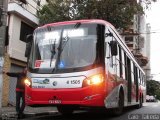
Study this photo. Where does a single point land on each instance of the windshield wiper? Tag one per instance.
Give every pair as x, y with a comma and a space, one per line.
53, 51
61, 47
59, 51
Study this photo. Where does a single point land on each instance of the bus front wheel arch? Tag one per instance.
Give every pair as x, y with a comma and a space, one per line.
119, 110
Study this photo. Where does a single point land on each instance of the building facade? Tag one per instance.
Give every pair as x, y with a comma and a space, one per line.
147, 47
22, 20
138, 39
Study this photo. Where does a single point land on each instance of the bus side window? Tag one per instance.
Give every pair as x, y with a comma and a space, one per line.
144, 80
113, 57
107, 51
135, 75
132, 71
123, 64
108, 38
117, 62
120, 62
139, 77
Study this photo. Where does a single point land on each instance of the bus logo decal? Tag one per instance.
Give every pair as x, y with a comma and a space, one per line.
40, 81
54, 83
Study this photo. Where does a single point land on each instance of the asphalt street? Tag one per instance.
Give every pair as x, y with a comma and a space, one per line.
149, 111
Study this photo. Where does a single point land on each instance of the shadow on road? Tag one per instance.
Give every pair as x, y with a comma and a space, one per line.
84, 115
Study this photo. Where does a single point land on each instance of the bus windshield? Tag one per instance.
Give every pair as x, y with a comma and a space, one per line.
57, 48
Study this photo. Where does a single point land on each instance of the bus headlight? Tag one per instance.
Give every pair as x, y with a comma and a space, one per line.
27, 82
94, 80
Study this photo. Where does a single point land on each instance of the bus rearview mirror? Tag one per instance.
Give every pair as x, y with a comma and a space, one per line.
113, 45
29, 38
28, 49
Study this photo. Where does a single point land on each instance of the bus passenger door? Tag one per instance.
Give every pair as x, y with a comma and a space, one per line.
110, 62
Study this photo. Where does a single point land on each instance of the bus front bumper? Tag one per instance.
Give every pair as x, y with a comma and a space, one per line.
82, 97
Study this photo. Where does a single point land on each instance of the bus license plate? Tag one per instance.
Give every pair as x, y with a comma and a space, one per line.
55, 101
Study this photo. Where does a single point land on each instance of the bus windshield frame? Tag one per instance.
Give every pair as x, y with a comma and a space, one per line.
66, 48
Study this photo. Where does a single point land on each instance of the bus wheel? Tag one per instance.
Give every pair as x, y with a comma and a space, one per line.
119, 109
65, 110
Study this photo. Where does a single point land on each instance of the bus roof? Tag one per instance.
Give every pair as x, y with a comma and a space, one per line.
76, 21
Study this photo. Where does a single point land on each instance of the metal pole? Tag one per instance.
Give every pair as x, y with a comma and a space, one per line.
3, 21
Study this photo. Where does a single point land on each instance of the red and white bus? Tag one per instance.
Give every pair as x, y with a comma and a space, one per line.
82, 63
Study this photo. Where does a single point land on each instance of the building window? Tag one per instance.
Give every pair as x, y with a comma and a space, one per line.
128, 39
25, 30
129, 42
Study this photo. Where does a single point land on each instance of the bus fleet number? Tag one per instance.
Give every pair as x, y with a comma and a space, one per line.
73, 82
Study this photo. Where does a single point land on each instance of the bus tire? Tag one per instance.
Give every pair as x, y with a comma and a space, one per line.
119, 109
65, 110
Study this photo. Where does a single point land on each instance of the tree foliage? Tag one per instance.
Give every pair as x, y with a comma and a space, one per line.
153, 88
118, 12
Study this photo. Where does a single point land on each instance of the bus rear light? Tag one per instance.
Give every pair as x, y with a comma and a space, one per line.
93, 80
27, 82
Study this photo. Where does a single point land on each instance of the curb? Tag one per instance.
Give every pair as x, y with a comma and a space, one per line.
13, 116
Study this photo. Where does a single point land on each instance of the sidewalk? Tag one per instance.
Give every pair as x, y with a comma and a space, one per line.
9, 112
